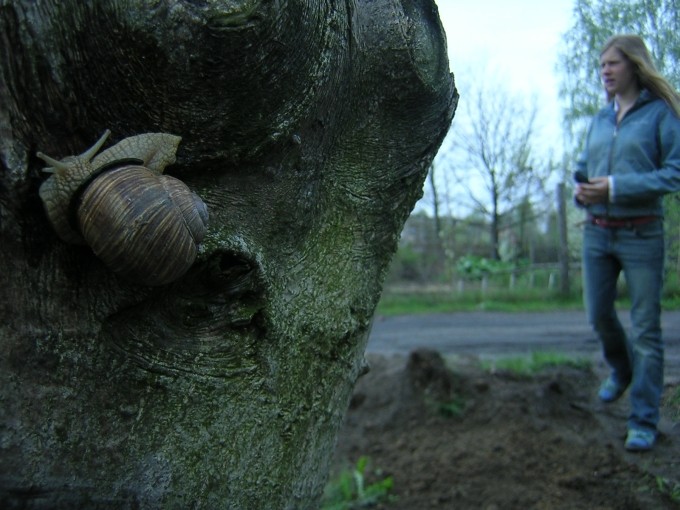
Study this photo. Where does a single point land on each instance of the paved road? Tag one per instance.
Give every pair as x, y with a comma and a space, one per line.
491, 334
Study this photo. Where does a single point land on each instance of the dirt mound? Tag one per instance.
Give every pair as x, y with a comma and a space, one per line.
465, 438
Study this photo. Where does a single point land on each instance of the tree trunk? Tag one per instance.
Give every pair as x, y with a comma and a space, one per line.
565, 281
495, 230
439, 250
307, 128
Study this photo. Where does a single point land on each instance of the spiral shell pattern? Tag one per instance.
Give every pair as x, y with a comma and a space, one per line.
142, 225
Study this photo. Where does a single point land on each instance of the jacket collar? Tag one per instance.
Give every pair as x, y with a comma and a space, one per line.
645, 97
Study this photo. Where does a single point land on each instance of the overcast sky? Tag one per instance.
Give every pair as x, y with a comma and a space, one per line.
518, 38
520, 41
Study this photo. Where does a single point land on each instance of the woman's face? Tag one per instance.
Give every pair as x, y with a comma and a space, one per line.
617, 73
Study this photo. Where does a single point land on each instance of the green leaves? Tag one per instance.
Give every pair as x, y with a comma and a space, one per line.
475, 268
349, 491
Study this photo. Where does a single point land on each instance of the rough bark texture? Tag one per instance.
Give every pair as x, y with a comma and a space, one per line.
307, 127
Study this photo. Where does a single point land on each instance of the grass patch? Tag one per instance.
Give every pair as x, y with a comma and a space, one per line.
453, 408
350, 490
534, 363
669, 489
415, 302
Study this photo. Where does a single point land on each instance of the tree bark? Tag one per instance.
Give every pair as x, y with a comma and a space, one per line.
307, 127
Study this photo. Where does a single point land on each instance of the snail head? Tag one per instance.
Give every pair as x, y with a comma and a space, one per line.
57, 192
73, 164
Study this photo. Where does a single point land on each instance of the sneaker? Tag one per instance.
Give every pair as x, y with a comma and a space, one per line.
640, 440
611, 390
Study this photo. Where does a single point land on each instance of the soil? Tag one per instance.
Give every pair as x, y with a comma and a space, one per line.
454, 435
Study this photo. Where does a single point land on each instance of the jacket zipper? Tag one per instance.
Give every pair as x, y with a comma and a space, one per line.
611, 157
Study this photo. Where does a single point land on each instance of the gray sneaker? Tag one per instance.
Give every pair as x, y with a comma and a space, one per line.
611, 389
640, 440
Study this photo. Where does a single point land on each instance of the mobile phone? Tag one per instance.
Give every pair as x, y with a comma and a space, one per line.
579, 176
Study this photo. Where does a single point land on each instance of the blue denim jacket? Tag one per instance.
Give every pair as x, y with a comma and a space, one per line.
642, 154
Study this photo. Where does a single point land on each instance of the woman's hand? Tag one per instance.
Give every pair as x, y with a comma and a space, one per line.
596, 191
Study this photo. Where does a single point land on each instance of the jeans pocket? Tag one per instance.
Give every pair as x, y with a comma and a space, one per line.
649, 230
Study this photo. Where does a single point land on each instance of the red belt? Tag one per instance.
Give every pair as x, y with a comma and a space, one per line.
607, 222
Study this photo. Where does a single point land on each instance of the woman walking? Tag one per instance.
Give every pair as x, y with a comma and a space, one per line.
631, 159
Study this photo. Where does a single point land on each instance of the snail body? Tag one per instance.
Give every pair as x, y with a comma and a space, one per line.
142, 224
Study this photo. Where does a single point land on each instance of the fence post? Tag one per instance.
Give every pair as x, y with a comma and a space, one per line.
551, 281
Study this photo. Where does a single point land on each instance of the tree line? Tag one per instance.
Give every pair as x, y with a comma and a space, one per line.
494, 191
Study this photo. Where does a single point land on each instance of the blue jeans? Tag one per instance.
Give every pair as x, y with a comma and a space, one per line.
636, 359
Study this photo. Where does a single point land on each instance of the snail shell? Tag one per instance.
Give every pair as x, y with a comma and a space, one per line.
140, 223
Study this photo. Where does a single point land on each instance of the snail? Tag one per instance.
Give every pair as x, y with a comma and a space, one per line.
143, 225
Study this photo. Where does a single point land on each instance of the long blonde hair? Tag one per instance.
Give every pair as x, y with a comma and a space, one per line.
635, 50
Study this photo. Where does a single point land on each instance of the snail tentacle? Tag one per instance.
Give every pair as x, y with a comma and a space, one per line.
90, 153
55, 165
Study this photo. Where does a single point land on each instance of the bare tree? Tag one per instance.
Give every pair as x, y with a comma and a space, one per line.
493, 158
440, 254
